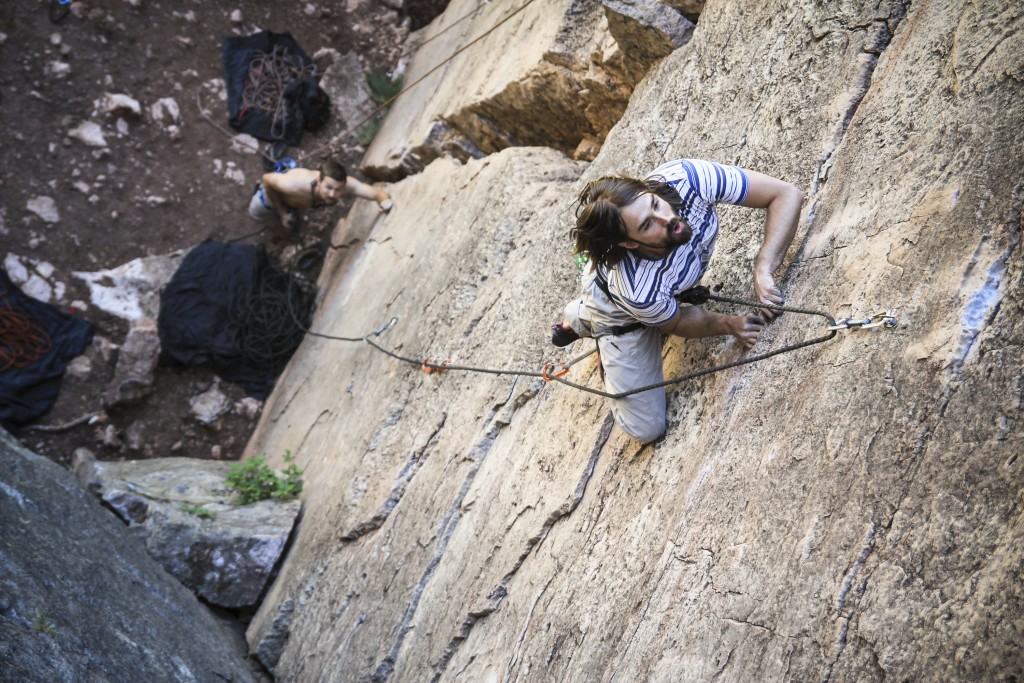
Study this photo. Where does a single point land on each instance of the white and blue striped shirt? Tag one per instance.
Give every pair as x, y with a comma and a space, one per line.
645, 288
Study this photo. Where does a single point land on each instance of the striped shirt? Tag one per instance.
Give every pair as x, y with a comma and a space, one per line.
645, 288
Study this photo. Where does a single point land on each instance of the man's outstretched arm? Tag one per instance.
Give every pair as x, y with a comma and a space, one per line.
783, 202
693, 322
361, 189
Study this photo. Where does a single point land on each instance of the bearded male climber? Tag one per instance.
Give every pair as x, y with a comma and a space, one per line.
649, 240
281, 196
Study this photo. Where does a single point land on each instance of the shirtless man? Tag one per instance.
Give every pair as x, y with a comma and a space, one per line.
281, 196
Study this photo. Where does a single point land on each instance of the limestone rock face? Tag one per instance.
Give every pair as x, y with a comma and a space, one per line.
550, 74
845, 512
646, 30
183, 510
81, 600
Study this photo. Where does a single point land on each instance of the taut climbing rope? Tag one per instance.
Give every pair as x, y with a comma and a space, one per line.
884, 320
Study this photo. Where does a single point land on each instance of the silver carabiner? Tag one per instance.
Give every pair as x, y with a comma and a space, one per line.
883, 319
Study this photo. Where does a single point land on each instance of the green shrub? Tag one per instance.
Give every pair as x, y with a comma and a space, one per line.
254, 480
382, 86
42, 622
368, 131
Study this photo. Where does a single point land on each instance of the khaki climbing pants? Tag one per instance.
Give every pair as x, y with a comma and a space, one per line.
630, 360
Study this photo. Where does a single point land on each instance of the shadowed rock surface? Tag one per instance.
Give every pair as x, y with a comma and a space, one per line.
186, 515
550, 74
847, 512
80, 600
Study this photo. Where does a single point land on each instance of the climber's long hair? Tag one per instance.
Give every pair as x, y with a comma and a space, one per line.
599, 227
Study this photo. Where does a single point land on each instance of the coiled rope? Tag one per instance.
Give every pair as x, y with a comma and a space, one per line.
270, 319
23, 341
265, 84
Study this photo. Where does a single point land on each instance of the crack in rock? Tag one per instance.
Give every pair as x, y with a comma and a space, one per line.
874, 46
476, 456
412, 466
500, 591
867, 548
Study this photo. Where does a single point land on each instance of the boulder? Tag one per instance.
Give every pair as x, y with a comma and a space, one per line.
88, 133
132, 291
44, 207
136, 365
645, 31
184, 512
209, 405
345, 82
80, 599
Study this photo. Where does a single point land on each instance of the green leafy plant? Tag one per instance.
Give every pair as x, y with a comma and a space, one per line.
199, 511
255, 480
382, 89
382, 86
368, 131
44, 624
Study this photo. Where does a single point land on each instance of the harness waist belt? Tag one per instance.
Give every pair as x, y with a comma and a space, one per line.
620, 330
617, 330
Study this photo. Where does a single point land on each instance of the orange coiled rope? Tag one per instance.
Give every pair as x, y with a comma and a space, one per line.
23, 341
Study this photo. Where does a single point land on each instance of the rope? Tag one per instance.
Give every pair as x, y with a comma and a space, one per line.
268, 327
64, 426
265, 84
427, 365
386, 103
23, 341
206, 115
726, 366
440, 33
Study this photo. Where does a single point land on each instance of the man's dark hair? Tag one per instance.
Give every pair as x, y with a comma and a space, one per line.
599, 227
332, 169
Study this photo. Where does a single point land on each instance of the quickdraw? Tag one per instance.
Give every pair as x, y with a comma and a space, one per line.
430, 368
550, 366
883, 319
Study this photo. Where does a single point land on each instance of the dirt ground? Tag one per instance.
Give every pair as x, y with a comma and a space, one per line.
151, 190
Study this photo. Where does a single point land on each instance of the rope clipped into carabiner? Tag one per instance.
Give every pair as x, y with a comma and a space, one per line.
697, 296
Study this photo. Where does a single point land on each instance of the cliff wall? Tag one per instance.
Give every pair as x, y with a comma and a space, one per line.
847, 512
